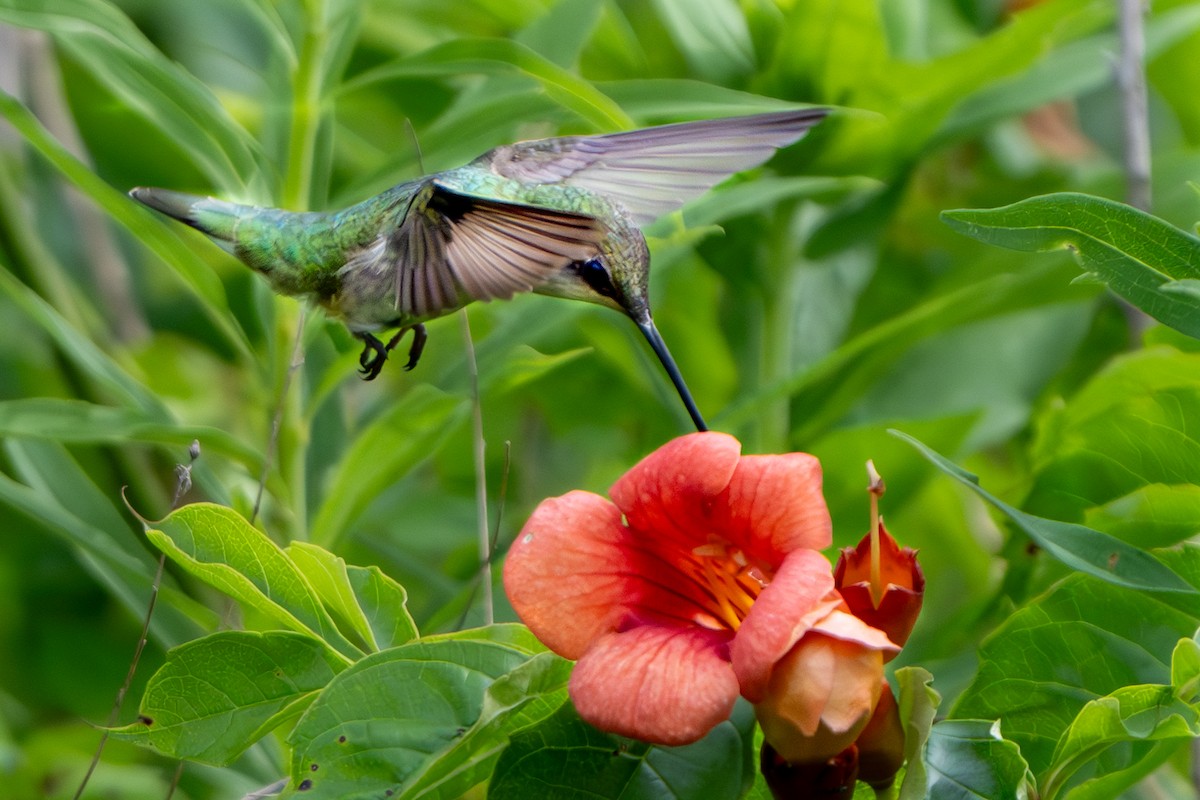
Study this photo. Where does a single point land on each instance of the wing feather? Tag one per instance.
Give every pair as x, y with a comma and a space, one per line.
452, 246
654, 170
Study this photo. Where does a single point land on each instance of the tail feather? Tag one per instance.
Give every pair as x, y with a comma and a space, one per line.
216, 218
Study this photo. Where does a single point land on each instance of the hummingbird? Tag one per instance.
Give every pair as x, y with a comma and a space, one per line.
559, 216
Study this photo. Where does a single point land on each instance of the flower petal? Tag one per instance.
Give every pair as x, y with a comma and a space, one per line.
797, 598
671, 491
774, 505
820, 697
566, 573
658, 684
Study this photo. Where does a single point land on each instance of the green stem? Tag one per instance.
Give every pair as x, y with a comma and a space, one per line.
774, 422
307, 80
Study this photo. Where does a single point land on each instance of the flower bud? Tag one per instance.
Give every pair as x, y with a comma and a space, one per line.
900, 592
881, 743
824, 779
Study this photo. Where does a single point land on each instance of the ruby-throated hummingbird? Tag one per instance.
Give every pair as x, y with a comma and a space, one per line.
555, 216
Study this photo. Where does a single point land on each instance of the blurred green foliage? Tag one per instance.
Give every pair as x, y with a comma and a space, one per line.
812, 305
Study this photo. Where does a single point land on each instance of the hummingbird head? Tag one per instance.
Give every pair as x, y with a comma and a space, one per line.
618, 280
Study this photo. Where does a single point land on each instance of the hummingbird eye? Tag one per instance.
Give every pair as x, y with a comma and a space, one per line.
596, 276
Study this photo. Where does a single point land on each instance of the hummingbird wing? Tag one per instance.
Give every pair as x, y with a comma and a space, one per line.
452, 246
652, 171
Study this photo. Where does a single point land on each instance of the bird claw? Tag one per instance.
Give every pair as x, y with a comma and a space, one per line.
375, 352
417, 347
372, 358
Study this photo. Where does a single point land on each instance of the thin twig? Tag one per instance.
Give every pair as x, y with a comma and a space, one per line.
175, 780
485, 544
277, 420
1131, 82
183, 482
501, 501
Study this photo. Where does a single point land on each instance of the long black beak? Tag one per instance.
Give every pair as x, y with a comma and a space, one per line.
664, 355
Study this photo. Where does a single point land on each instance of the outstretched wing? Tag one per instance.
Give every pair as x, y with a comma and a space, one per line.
654, 170
453, 247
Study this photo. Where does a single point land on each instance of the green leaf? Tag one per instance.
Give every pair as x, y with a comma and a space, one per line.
386, 718
1083, 640
918, 703
510, 634
217, 545
382, 452
371, 603
218, 695
194, 273
1129, 716
1155, 515
1068, 71
524, 697
1123, 450
502, 55
1078, 547
77, 421
564, 757
712, 35
969, 759
115, 52
126, 576
1135, 254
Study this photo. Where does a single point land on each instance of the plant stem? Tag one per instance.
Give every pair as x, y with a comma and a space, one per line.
485, 541
307, 80
1131, 81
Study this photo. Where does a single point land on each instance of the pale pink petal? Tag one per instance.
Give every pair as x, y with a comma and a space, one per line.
774, 506
797, 598
567, 574
847, 627
663, 685
672, 491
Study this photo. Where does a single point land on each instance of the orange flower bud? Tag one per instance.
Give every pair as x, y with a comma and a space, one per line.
822, 693
900, 589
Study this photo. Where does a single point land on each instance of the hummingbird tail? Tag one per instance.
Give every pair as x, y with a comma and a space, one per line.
208, 215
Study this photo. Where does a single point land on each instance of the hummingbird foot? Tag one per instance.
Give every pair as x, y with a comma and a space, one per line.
416, 348
375, 352
373, 356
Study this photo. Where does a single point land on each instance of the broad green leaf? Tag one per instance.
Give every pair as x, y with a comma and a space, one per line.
371, 603
1082, 641
1154, 515
1127, 720
217, 545
1133, 253
382, 452
383, 720
523, 697
194, 273
969, 759
510, 634
565, 757
1123, 449
1078, 547
918, 703
218, 695
492, 55
113, 50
